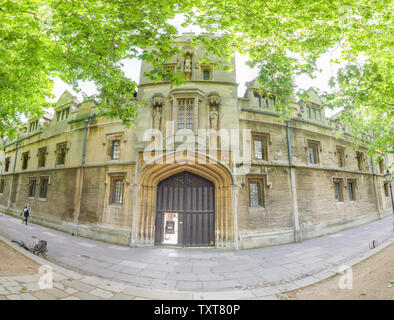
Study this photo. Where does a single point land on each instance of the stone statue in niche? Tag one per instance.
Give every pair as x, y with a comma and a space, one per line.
213, 119
188, 65
157, 118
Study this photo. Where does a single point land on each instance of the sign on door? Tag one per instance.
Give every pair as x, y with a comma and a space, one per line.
170, 225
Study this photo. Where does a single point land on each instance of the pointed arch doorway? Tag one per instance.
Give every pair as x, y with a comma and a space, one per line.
185, 211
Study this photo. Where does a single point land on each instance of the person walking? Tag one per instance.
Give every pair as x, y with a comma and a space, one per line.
26, 212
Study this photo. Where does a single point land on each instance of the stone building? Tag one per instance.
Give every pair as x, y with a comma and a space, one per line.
202, 167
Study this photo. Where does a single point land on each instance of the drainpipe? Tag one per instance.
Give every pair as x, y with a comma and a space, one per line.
293, 188
13, 176
375, 189
79, 185
16, 155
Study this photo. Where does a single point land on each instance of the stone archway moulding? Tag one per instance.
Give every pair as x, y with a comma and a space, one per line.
148, 179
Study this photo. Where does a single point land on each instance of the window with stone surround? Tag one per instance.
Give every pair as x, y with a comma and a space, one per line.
351, 185
7, 164
360, 161
42, 154
206, 73
25, 160
62, 114
381, 166
313, 151
386, 189
2, 184
263, 101
33, 126
116, 190
185, 113
44, 181
170, 68
32, 187
114, 145
260, 146
341, 157
313, 111
338, 188
256, 192
61, 152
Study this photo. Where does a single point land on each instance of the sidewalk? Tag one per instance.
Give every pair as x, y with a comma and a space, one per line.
162, 273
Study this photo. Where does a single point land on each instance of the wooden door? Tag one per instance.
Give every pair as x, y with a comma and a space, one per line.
185, 211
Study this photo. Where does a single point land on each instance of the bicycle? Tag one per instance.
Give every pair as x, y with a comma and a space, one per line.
39, 248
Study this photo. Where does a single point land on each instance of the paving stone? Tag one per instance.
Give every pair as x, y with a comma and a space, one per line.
121, 296
58, 285
14, 297
111, 286
182, 276
189, 285
31, 286
14, 289
27, 296
134, 264
86, 296
42, 295
209, 276
222, 284
71, 290
231, 295
56, 293
101, 293
157, 294
76, 284
134, 279
71, 298
3, 290
94, 281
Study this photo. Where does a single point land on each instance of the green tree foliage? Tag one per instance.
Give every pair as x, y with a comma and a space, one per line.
88, 40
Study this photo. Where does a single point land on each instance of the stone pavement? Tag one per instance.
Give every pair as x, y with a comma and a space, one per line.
106, 271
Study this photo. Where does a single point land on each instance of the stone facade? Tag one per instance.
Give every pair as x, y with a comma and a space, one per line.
97, 181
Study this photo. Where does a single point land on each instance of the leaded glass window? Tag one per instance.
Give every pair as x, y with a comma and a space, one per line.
352, 194
116, 191
115, 150
254, 194
32, 188
43, 187
185, 113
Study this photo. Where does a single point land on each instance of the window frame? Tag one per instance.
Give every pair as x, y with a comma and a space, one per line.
315, 145
42, 180
360, 161
61, 157
260, 181
204, 70
118, 142
186, 121
351, 185
25, 160
7, 162
113, 192
338, 182
341, 157
32, 190
264, 138
381, 166
42, 161
2, 186
386, 189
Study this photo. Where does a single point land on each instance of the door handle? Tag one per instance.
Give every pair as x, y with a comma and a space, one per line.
180, 222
